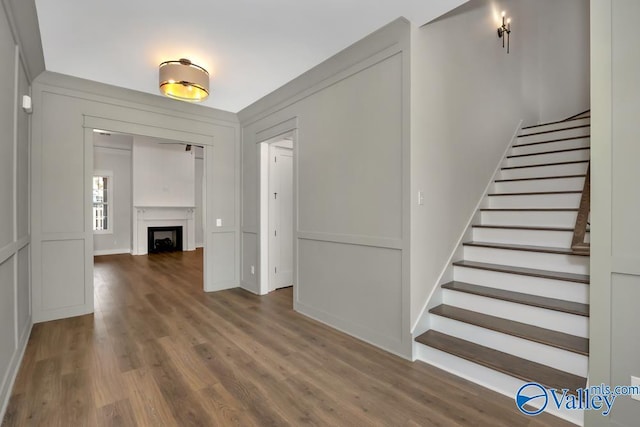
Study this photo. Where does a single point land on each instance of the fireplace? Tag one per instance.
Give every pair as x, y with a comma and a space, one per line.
162, 218
164, 239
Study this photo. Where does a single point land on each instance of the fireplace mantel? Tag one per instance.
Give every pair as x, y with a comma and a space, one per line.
162, 216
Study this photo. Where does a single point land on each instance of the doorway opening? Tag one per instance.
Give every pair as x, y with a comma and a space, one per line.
277, 212
148, 199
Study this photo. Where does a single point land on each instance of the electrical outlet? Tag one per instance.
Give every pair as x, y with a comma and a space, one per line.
635, 382
253, 269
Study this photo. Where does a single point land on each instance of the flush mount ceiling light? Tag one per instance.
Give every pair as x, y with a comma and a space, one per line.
184, 80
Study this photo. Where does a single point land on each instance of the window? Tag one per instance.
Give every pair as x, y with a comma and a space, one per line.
102, 206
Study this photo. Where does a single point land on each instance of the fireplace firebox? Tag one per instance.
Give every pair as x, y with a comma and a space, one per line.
164, 239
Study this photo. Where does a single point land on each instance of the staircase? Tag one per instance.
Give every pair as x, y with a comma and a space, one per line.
517, 309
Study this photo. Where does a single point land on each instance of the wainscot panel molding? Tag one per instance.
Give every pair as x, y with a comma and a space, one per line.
66, 110
350, 121
21, 59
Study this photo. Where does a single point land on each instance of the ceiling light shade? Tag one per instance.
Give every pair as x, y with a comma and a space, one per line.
181, 79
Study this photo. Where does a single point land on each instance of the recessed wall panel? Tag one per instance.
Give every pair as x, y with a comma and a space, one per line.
626, 110
249, 259
62, 166
350, 155
63, 274
625, 343
224, 265
7, 313
360, 286
7, 108
250, 188
223, 173
24, 303
23, 160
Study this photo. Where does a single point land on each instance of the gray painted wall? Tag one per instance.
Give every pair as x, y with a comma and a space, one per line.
351, 181
66, 109
468, 98
557, 49
15, 238
113, 153
615, 205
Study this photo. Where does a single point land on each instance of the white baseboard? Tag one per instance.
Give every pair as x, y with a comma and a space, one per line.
12, 372
112, 252
249, 287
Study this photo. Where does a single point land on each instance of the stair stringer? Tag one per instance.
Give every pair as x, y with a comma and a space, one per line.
459, 365
422, 323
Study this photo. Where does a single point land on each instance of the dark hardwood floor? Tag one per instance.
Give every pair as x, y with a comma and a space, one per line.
160, 352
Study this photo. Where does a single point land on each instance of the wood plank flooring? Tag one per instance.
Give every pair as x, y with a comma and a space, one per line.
160, 352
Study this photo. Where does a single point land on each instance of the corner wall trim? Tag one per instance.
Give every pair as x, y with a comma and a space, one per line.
14, 368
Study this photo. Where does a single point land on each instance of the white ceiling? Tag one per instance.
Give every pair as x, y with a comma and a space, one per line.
250, 47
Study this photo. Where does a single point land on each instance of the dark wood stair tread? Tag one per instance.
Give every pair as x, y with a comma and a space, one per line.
554, 130
534, 193
556, 122
548, 337
548, 141
533, 272
529, 209
523, 227
526, 248
514, 366
537, 165
520, 298
548, 152
537, 178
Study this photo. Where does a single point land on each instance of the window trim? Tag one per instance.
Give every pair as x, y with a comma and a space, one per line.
109, 175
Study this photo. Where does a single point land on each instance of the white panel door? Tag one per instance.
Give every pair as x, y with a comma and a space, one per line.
280, 218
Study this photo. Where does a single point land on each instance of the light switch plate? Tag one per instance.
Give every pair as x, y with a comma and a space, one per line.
253, 269
635, 382
219, 222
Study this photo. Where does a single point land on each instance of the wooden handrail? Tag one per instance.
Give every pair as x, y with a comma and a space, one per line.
582, 220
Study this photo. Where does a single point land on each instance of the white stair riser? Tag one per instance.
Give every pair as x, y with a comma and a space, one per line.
549, 356
560, 289
571, 200
493, 380
556, 126
542, 171
550, 146
571, 324
543, 261
568, 133
556, 239
530, 218
537, 159
559, 184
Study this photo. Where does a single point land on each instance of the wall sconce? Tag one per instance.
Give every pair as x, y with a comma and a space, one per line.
505, 30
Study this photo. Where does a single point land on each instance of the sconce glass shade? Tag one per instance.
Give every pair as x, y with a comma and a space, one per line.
181, 79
